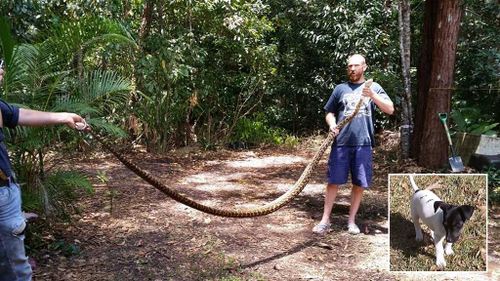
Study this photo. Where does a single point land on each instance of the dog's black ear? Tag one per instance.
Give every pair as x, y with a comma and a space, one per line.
442, 205
466, 211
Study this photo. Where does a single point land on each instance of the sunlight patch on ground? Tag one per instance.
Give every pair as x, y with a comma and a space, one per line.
230, 180
193, 213
285, 228
374, 259
265, 162
215, 181
222, 184
314, 189
212, 177
309, 189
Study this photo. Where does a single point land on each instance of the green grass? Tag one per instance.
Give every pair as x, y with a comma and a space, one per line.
470, 251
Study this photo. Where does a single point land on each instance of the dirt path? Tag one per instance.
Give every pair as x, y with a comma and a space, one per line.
148, 236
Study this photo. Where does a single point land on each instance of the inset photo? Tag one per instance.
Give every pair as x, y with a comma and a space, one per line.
438, 222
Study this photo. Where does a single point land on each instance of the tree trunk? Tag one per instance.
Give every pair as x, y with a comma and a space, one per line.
132, 121
406, 107
147, 15
126, 9
423, 72
437, 64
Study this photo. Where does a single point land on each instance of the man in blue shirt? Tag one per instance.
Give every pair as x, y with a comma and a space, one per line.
352, 148
14, 264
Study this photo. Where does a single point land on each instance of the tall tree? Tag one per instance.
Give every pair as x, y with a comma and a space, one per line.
435, 80
146, 19
405, 42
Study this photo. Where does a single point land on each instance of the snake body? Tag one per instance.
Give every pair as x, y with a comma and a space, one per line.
235, 213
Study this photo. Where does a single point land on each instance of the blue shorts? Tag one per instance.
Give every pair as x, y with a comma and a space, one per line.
356, 159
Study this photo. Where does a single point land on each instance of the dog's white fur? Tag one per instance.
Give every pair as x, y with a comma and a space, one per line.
422, 208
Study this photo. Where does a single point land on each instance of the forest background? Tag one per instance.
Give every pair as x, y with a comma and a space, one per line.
169, 74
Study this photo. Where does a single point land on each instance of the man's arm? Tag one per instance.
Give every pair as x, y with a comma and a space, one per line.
385, 105
34, 118
332, 122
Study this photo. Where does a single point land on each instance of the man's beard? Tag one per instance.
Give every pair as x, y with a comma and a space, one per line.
353, 76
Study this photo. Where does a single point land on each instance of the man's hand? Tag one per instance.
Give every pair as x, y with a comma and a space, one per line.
73, 120
385, 105
334, 130
367, 91
332, 123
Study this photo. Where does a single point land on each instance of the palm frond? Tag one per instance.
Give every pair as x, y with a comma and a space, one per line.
6, 39
109, 38
67, 181
107, 128
72, 37
18, 131
31, 139
57, 192
15, 79
105, 86
34, 78
72, 105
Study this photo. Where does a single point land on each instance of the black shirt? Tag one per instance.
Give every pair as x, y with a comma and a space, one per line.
10, 116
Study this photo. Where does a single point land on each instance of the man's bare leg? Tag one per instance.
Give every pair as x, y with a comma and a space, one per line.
324, 225
356, 195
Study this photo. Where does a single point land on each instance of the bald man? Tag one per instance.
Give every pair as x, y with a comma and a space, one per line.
352, 149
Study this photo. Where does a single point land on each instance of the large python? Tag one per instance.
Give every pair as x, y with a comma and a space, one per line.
236, 213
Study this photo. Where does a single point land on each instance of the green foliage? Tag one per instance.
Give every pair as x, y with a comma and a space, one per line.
30, 19
393, 85
88, 41
103, 177
6, 39
247, 56
206, 62
291, 141
50, 76
470, 120
63, 183
252, 131
478, 60
56, 192
68, 249
314, 40
257, 131
493, 185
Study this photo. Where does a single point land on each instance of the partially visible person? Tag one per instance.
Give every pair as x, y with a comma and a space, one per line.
14, 265
352, 149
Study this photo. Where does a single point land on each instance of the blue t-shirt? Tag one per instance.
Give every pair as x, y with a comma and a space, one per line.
10, 117
342, 103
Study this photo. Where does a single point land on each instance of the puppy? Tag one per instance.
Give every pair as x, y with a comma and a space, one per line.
444, 220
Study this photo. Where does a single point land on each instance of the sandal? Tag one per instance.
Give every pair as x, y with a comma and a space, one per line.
321, 228
353, 229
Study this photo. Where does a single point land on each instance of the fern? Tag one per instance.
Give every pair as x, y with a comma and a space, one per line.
107, 128
65, 182
45, 77
56, 191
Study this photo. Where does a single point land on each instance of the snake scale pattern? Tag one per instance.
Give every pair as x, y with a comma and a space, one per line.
235, 213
